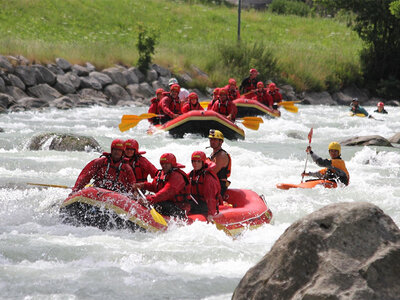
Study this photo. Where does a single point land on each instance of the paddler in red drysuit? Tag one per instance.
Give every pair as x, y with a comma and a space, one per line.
141, 166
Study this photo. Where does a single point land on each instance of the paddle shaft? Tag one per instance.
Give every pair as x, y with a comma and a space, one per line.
50, 185
309, 144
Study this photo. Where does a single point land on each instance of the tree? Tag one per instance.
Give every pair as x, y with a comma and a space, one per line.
146, 43
379, 28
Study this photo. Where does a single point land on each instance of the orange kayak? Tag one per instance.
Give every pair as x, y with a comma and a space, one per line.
308, 184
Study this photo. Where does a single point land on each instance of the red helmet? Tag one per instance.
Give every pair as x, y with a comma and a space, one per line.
193, 96
118, 144
159, 91
232, 81
381, 104
175, 87
260, 84
199, 155
272, 85
253, 71
134, 145
216, 91
169, 158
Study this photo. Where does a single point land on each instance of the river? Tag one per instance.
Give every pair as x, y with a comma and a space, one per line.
42, 258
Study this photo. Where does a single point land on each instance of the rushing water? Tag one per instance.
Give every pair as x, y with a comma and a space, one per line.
42, 258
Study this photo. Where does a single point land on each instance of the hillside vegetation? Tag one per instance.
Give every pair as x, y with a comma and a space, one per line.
311, 53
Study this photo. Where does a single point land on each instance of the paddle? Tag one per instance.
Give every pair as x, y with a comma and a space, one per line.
50, 185
251, 122
309, 144
130, 121
155, 214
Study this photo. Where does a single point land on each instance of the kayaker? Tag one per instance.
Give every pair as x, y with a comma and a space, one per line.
357, 109
381, 108
221, 158
155, 106
335, 168
225, 107
170, 104
262, 96
249, 84
233, 91
183, 93
192, 103
140, 165
110, 171
205, 187
171, 187
214, 98
273, 91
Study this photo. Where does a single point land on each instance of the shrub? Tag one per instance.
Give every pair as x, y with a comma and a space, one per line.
147, 40
291, 7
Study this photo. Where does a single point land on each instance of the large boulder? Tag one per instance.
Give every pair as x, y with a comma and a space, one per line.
5, 64
323, 98
104, 79
63, 64
44, 75
44, 91
117, 76
115, 92
26, 74
369, 140
64, 84
395, 139
343, 251
6, 100
16, 81
63, 142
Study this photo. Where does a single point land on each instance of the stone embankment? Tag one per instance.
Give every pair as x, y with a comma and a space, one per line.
25, 85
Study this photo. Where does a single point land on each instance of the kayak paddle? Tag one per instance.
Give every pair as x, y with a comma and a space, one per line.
309, 144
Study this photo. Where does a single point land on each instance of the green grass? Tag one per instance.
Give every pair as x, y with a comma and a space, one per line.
309, 51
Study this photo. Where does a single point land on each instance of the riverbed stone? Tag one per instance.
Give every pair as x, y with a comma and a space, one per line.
104, 79
90, 93
44, 91
138, 73
5, 64
44, 75
2, 85
80, 70
116, 76
15, 92
151, 75
323, 98
370, 140
116, 92
63, 102
26, 74
63, 64
343, 251
90, 82
64, 84
75, 79
55, 69
6, 100
130, 76
63, 142
16, 81
355, 92
341, 98
395, 139
161, 70
32, 103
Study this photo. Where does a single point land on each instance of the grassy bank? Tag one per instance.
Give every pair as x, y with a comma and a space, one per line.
311, 53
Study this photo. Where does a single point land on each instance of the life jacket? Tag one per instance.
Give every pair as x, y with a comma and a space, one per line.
225, 172
110, 182
155, 105
213, 100
175, 104
223, 108
197, 184
251, 84
276, 96
337, 166
137, 169
162, 179
232, 94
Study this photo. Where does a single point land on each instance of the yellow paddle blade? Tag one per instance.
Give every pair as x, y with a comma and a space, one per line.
50, 185
252, 119
204, 104
251, 125
157, 217
126, 125
292, 109
140, 117
288, 103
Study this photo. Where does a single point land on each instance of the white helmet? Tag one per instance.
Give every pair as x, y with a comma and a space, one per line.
172, 81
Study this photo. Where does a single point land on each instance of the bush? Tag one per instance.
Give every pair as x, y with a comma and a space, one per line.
147, 40
389, 88
291, 7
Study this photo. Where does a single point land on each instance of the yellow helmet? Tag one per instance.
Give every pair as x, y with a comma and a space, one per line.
215, 134
335, 146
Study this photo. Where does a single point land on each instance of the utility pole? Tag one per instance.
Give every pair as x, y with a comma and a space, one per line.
239, 11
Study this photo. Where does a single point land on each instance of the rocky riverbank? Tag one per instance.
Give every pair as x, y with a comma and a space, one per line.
25, 85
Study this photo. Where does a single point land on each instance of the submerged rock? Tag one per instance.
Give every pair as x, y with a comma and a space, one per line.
342, 251
63, 142
369, 140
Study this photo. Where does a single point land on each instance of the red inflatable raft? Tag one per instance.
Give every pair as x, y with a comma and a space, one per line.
200, 122
308, 184
248, 107
106, 209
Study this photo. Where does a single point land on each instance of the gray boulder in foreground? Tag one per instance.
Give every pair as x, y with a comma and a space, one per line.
395, 139
343, 251
369, 140
63, 142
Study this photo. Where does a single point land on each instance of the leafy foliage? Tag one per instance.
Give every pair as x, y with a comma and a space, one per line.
147, 40
380, 30
291, 7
